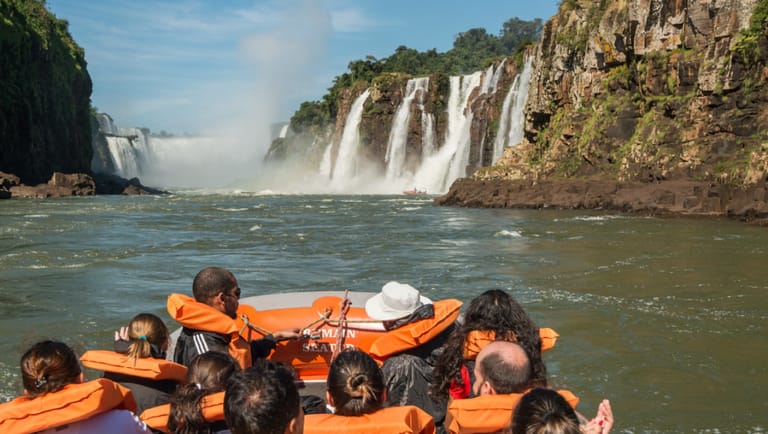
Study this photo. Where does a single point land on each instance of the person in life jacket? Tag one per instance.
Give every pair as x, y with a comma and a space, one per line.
503, 373
547, 411
356, 396
408, 362
198, 406
139, 363
493, 315
56, 400
217, 288
264, 399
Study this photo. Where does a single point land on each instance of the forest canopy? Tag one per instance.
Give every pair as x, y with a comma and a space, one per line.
471, 51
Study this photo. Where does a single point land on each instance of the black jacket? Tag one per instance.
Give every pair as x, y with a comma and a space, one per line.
192, 343
408, 375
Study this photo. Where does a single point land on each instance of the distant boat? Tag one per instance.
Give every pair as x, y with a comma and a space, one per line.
415, 192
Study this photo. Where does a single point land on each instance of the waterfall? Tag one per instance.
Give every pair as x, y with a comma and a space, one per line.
487, 84
325, 163
127, 148
496, 76
512, 120
346, 165
398, 136
440, 169
427, 134
284, 131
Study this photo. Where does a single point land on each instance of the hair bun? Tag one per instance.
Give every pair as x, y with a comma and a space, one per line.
40, 382
356, 383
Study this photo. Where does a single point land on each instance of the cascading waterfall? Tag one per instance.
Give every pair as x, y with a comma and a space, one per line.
437, 171
512, 120
346, 166
398, 136
487, 82
325, 163
128, 148
428, 144
496, 76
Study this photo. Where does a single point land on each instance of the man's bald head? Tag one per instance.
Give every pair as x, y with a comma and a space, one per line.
504, 367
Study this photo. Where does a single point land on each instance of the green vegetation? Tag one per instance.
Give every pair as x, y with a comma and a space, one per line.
45, 94
576, 37
747, 45
471, 51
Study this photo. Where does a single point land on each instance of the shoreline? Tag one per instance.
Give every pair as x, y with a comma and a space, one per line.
664, 199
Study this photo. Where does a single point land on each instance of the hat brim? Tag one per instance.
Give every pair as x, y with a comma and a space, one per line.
376, 309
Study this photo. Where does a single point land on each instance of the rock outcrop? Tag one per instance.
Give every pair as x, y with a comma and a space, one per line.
77, 184
679, 197
60, 185
645, 91
45, 94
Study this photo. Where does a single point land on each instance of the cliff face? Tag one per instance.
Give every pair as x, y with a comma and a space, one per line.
45, 94
648, 90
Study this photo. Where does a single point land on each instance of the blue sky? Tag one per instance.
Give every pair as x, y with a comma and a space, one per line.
190, 66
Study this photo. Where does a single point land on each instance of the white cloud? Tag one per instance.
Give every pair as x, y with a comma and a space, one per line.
352, 21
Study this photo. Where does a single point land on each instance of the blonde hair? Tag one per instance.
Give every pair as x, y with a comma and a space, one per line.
144, 331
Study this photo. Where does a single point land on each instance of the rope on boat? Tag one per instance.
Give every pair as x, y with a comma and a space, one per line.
252, 326
342, 323
341, 330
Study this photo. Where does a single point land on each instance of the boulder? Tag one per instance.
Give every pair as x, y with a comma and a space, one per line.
113, 184
60, 185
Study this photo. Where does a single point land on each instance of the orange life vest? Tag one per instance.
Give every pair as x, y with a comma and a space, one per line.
391, 420
417, 333
151, 368
477, 340
199, 316
212, 407
488, 413
73, 403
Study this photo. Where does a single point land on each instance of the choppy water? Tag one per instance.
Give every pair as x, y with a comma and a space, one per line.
665, 317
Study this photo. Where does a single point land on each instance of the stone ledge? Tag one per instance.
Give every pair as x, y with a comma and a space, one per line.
679, 197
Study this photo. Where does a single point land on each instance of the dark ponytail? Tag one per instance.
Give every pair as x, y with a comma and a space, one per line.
208, 373
47, 367
355, 383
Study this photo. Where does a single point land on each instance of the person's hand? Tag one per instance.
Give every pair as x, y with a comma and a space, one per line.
603, 422
284, 335
122, 334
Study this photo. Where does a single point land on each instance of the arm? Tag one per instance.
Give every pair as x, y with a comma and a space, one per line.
603, 421
121, 340
260, 348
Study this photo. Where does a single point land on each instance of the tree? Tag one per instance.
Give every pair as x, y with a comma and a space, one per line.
516, 32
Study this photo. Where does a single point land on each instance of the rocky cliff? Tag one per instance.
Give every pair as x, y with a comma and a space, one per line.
45, 94
647, 91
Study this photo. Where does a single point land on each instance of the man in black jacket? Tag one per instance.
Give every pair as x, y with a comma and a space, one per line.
217, 287
408, 374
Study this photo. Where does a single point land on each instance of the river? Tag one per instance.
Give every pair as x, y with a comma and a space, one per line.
665, 317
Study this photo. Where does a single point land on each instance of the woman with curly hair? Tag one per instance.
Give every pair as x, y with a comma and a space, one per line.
492, 316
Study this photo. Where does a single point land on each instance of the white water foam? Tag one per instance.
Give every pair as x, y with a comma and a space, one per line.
506, 233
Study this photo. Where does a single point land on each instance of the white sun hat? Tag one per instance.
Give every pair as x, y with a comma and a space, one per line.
396, 300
